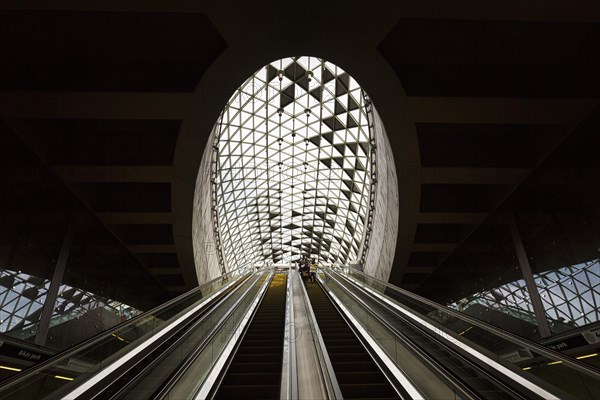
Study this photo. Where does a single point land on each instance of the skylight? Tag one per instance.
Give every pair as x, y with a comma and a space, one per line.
22, 297
570, 296
293, 165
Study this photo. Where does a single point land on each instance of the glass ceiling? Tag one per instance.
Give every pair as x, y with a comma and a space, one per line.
22, 297
570, 295
293, 165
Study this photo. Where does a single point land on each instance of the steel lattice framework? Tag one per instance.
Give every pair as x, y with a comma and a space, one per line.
22, 297
293, 169
570, 295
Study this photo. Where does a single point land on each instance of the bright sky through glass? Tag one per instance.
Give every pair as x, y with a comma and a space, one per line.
293, 165
22, 297
570, 295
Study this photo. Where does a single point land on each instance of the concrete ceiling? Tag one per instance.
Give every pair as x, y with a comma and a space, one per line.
119, 98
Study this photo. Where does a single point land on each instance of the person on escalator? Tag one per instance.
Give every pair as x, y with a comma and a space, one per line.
301, 261
313, 271
305, 273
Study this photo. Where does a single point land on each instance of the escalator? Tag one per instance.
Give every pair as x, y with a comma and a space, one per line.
147, 335
473, 379
211, 361
255, 370
357, 374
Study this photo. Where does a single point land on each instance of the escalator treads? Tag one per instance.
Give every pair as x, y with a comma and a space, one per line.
356, 372
255, 371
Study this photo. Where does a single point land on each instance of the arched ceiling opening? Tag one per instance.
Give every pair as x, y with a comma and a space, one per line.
292, 165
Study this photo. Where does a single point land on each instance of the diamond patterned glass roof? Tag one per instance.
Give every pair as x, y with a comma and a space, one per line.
293, 165
570, 295
22, 297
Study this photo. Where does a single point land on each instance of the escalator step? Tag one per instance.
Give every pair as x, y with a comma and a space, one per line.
361, 377
346, 349
356, 372
349, 357
252, 378
263, 338
253, 358
248, 391
255, 371
346, 342
368, 390
240, 367
359, 366
337, 336
262, 350
265, 331
262, 342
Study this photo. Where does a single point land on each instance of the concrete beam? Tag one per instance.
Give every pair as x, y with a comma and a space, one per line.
151, 248
517, 10
94, 105
164, 271
451, 218
178, 288
420, 270
94, 173
411, 287
434, 247
173, 6
491, 176
479, 110
135, 218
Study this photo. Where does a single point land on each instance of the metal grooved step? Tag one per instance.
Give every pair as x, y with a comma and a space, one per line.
255, 371
357, 374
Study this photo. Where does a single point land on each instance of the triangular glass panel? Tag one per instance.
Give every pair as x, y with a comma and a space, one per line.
328, 136
339, 161
352, 104
287, 96
327, 75
339, 108
330, 122
316, 93
340, 89
341, 148
316, 140
304, 83
350, 122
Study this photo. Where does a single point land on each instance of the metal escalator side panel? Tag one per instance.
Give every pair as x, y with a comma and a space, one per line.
197, 367
487, 365
159, 371
358, 372
118, 365
80, 360
315, 371
421, 358
404, 297
289, 373
254, 371
404, 386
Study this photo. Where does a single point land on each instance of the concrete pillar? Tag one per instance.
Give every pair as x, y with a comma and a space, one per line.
57, 277
534, 295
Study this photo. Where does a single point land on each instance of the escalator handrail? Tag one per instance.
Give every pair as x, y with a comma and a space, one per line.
186, 362
70, 352
123, 362
289, 372
505, 371
403, 385
511, 337
208, 389
330, 380
465, 390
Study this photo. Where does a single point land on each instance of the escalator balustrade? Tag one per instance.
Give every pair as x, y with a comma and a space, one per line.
255, 371
355, 370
